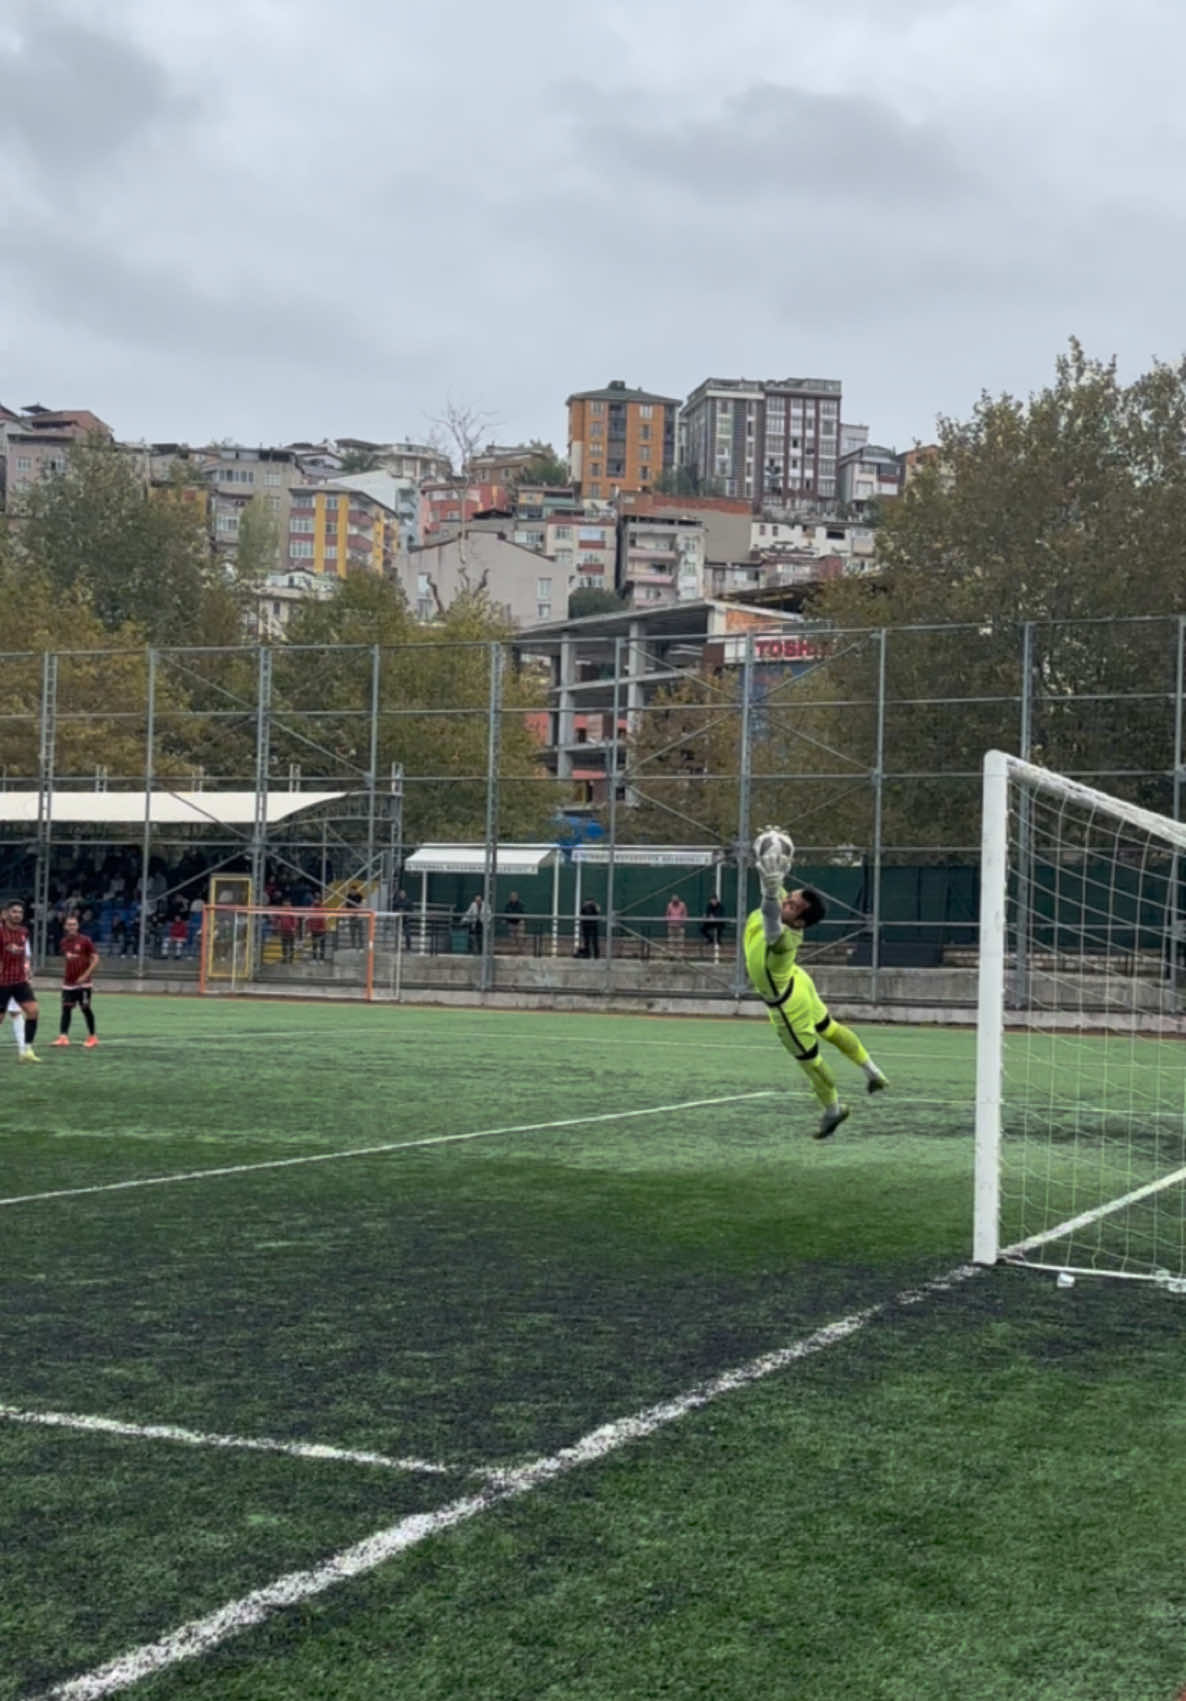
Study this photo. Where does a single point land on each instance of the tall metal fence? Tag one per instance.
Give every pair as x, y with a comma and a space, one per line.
661, 754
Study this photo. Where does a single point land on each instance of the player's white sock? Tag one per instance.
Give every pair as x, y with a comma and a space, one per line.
18, 1032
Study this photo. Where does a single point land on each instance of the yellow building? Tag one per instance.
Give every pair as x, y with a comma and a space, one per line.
339, 531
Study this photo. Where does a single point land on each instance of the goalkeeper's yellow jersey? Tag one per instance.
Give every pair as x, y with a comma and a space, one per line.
771, 968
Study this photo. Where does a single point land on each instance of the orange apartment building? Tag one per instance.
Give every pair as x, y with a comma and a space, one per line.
619, 440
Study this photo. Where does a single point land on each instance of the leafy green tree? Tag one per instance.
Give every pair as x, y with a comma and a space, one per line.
592, 601
260, 539
686, 481
433, 695
1067, 509
360, 460
137, 555
545, 467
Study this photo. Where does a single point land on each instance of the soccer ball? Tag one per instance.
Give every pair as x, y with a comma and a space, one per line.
774, 849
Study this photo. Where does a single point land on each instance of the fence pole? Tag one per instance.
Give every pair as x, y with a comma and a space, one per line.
612, 818
1025, 740
46, 756
743, 822
1176, 939
146, 840
490, 863
878, 799
263, 731
373, 772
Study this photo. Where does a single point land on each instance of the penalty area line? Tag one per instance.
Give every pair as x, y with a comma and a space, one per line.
199, 1438
380, 1151
202, 1635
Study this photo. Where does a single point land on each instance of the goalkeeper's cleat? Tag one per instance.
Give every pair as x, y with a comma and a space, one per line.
831, 1119
90, 1042
29, 1055
877, 1081
61, 1040
774, 853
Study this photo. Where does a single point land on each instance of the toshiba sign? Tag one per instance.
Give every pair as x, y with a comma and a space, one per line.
785, 649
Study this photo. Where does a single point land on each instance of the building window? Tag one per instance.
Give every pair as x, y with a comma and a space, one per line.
646, 411
302, 498
644, 432
543, 611
300, 550
595, 469
331, 552
273, 475
597, 409
595, 431
227, 524
595, 491
543, 587
564, 534
301, 523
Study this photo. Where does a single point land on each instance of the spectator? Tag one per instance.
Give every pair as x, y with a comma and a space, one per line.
179, 935
286, 926
402, 905
712, 927
590, 929
474, 921
316, 926
677, 917
514, 919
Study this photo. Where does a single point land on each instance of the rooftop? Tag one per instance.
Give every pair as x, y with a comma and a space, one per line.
617, 391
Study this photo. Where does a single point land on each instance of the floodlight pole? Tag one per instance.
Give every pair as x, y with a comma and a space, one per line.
373, 765
146, 840
263, 727
490, 861
47, 745
612, 820
743, 809
878, 797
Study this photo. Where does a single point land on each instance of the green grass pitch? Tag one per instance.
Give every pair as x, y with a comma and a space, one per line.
972, 1491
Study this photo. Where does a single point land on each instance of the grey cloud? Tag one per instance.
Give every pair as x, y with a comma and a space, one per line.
775, 140
73, 96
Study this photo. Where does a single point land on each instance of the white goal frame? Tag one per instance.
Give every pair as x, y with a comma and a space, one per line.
1000, 771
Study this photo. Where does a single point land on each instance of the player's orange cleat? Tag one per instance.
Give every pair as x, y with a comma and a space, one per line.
61, 1040
90, 1043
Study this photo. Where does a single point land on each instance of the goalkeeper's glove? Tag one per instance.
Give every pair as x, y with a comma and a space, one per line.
774, 853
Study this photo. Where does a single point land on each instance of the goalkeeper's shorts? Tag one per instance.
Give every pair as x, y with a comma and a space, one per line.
800, 1016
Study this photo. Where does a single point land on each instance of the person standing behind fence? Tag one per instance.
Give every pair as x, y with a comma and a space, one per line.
473, 921
590, 929
677, 919
514, 920
712, 928
353, 901
402, 905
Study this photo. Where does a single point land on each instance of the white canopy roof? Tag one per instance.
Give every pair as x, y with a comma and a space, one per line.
650, 856
169, 808
471, 859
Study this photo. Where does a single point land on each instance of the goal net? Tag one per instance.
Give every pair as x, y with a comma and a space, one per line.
317, 952
1081, 1043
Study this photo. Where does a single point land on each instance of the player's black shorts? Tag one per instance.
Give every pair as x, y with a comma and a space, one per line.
76, 997
22, 992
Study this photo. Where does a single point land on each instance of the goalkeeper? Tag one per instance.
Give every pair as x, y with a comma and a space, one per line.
773, 935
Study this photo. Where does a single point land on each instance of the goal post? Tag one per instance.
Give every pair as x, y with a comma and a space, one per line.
310, 952
1080, 1123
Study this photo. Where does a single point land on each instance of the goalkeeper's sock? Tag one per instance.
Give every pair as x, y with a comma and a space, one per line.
846, 1041
823, 1082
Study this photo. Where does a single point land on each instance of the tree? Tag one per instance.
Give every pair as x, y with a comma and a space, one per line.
545, 466
590, 600
686, 481
260, 541
1067, 510
434, 698
360, 460
459, 430
137, 554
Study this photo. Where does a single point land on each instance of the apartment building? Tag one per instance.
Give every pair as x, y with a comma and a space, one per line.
584, 544
870, 474
661, 558
524, 587
619, 440
334, 532
35, 443
773, 440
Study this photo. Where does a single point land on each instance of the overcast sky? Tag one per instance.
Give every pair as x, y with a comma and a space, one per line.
279, 219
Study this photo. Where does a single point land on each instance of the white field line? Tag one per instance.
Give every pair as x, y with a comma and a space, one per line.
198, 1438
378, 1151
202, 1635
